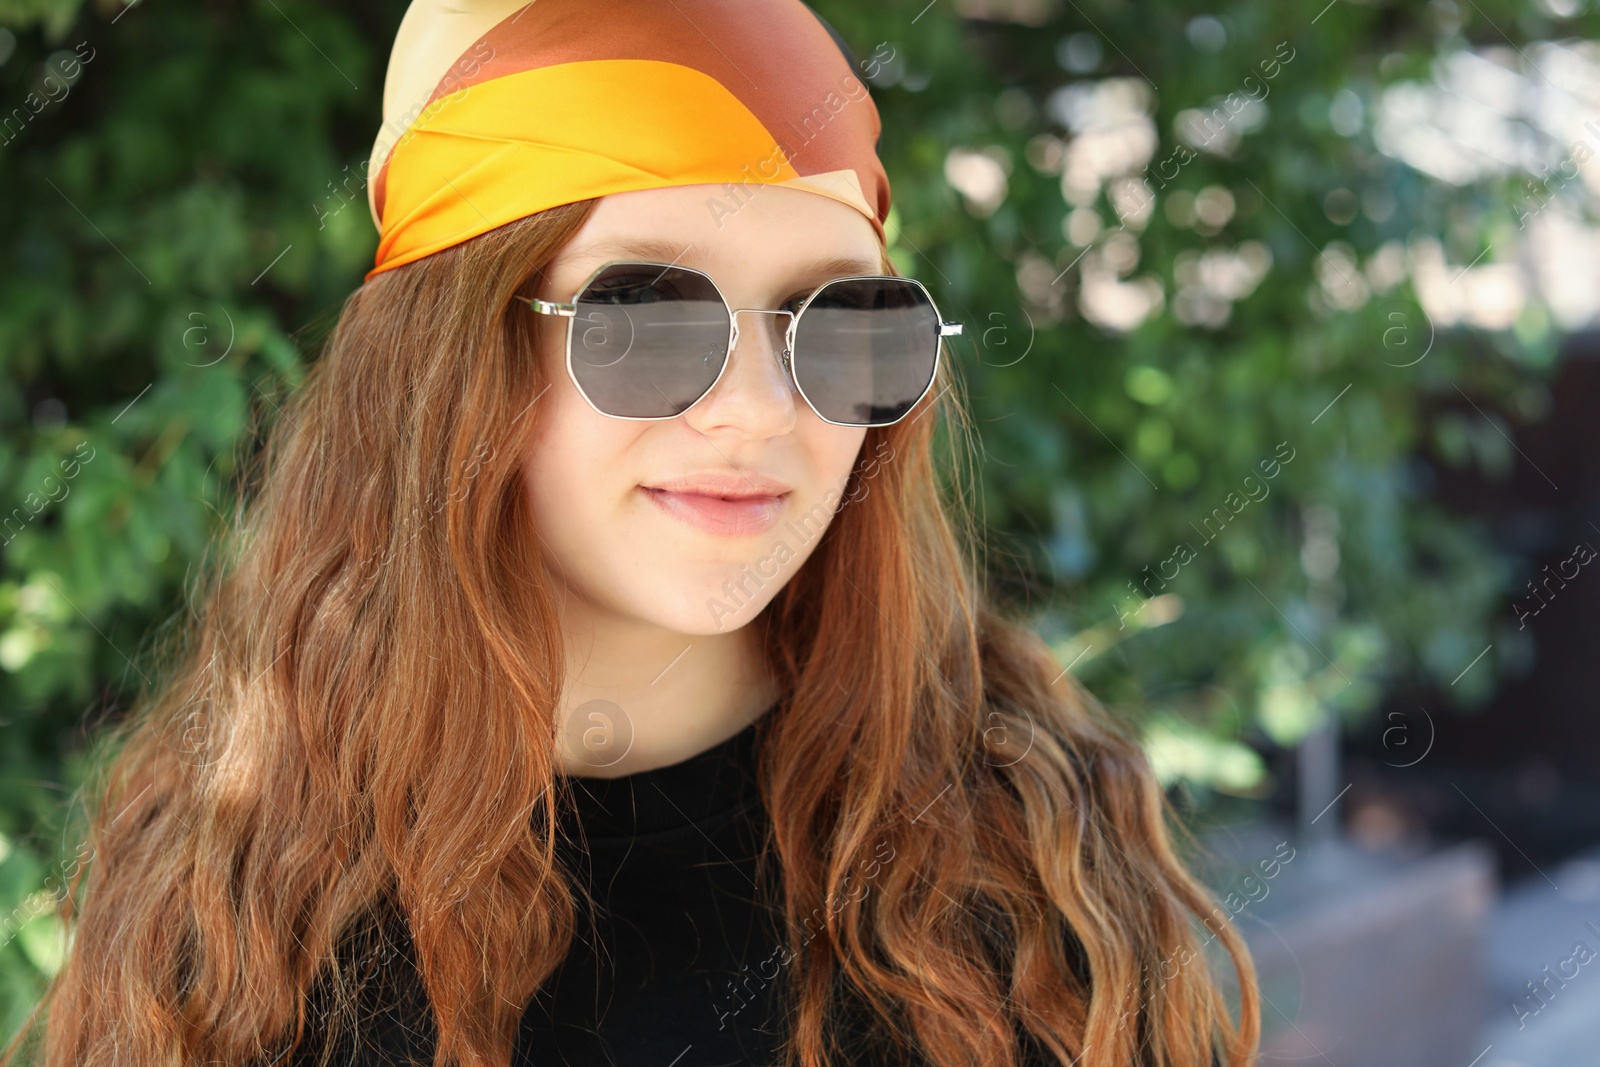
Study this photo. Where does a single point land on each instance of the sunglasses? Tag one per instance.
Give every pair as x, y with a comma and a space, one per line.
648, 340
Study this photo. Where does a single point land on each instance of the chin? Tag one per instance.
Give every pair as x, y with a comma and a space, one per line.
707, 611
701, 608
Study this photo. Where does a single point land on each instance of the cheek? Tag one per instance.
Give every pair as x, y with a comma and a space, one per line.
568, 437
835, 451
573, 468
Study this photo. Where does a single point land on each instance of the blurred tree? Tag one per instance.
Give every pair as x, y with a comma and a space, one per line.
1188, 252
1192, 264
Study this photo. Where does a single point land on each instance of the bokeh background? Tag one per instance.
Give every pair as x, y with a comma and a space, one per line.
1281, 342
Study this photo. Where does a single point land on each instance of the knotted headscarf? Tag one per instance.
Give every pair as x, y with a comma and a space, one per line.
497, 109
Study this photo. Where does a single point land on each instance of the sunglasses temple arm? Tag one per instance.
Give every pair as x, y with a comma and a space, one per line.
545, 307
948, 328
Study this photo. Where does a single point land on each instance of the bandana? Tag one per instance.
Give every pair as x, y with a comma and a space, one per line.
497, 109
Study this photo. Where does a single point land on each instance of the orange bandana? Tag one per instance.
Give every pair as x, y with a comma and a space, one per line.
497, 109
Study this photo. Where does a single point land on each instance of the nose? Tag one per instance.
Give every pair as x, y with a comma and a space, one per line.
755, 395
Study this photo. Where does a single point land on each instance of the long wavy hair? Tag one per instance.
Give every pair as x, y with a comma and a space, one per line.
969, 843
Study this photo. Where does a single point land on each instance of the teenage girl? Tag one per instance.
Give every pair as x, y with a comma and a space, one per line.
600, 671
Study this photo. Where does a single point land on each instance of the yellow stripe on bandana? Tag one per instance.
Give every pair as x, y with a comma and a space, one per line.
467, 170
564, 100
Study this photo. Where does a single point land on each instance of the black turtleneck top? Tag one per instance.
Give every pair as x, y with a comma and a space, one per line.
676, 966
665, 971
679, 964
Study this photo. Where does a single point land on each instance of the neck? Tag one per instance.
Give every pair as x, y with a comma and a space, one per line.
639, 696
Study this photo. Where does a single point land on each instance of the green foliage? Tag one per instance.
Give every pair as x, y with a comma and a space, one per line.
163, 246
1107, 447
175, 240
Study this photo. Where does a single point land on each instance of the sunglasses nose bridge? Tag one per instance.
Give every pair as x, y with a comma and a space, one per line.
784, 353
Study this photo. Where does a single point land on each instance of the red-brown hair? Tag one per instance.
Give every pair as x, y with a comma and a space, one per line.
376, 664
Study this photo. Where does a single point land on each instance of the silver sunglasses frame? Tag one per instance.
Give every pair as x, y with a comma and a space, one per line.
569, 312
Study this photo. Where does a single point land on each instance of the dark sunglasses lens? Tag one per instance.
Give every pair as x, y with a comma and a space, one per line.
647, 340
866, 349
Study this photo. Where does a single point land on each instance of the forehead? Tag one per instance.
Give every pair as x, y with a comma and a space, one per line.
758, 230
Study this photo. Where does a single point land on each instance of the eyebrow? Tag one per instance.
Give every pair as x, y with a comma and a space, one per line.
663, 251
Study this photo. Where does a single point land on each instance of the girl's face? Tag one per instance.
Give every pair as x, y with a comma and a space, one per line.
690, 561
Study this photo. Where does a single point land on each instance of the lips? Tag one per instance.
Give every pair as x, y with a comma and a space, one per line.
726, 483
728, 516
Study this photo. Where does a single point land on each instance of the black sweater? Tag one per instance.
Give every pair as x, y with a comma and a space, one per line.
682, 965
670, 970
671, 861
